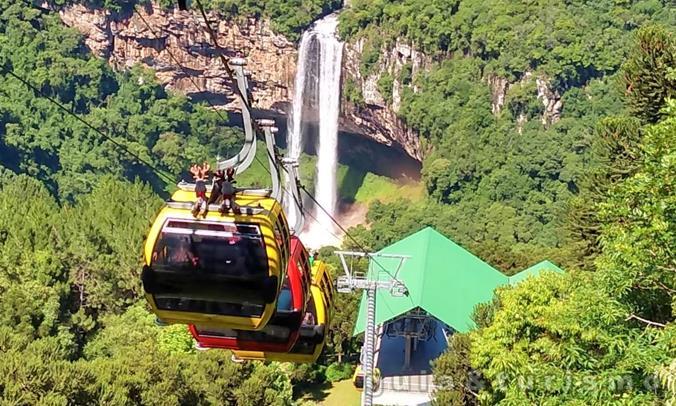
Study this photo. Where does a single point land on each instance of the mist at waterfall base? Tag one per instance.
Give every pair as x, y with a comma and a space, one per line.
317, 89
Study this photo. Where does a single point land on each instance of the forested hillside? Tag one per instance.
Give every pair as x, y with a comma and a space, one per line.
74, 211
501, 183
603, 335
592, 190
288, 17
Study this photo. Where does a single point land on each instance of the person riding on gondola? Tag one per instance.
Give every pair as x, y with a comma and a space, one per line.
224, 190
200, 173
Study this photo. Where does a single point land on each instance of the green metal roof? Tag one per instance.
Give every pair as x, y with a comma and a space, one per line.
442, 278
534, 271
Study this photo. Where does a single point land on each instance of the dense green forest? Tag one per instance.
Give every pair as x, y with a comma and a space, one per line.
74, 210
500, 184
593, 191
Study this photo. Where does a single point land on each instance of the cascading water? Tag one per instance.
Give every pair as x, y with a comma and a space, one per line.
318, 80
295, 122
296, 119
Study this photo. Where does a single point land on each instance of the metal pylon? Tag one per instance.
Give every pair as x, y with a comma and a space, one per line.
370, 282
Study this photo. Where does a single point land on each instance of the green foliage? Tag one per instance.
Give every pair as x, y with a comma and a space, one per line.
639, 228
176, 339
668, 376
563, 344
385, 84
648, 72
605, 337
499, 187
105, 236
337, 372
522, 101
165, 130
513, 37
370, 54
74, 209
616, 151
352, 92
453, 377
288, 18
267, 385
406, 74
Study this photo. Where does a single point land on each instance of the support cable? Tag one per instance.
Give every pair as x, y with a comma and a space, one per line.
40, 93
246, 105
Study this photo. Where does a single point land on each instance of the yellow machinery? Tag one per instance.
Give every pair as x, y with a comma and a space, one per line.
219, 270
315, 328
358, 378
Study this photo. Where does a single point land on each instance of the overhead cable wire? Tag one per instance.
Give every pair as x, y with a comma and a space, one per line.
40, 93
218, 112
246, 105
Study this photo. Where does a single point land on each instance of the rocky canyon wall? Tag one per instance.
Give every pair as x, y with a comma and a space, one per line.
172, 38
378, 116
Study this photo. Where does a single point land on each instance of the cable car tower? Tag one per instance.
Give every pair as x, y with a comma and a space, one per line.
375, 278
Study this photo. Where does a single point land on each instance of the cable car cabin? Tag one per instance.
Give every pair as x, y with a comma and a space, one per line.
358, 378
281, 332
314, 329
220, 269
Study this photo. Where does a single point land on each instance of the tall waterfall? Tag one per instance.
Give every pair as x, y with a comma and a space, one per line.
318, 90
295, 122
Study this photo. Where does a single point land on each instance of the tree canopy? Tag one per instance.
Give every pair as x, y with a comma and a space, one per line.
603, 334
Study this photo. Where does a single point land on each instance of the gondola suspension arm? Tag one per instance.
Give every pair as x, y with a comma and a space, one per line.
245, 157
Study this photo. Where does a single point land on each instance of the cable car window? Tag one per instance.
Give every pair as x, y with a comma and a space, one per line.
359, 381
212, 248
180, 304
304, 346
270, 334
285, 300
280, 237
327, 292
303, 267
306, 341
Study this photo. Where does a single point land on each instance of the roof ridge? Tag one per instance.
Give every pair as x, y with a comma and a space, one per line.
424, 267
467, 251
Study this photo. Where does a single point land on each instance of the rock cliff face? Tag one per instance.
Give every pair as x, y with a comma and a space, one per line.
173, 37
549, 97
378, 117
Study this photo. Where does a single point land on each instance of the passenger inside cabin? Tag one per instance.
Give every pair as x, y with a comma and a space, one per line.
284, 303
313, 258
309, 320
174, 250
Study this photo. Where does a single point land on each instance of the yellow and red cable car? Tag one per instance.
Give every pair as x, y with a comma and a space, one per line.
314, 329
219, 270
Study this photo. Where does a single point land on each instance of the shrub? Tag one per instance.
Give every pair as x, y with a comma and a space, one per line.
338, 372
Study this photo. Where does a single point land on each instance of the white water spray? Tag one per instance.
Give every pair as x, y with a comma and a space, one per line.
321, 228
295, 122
